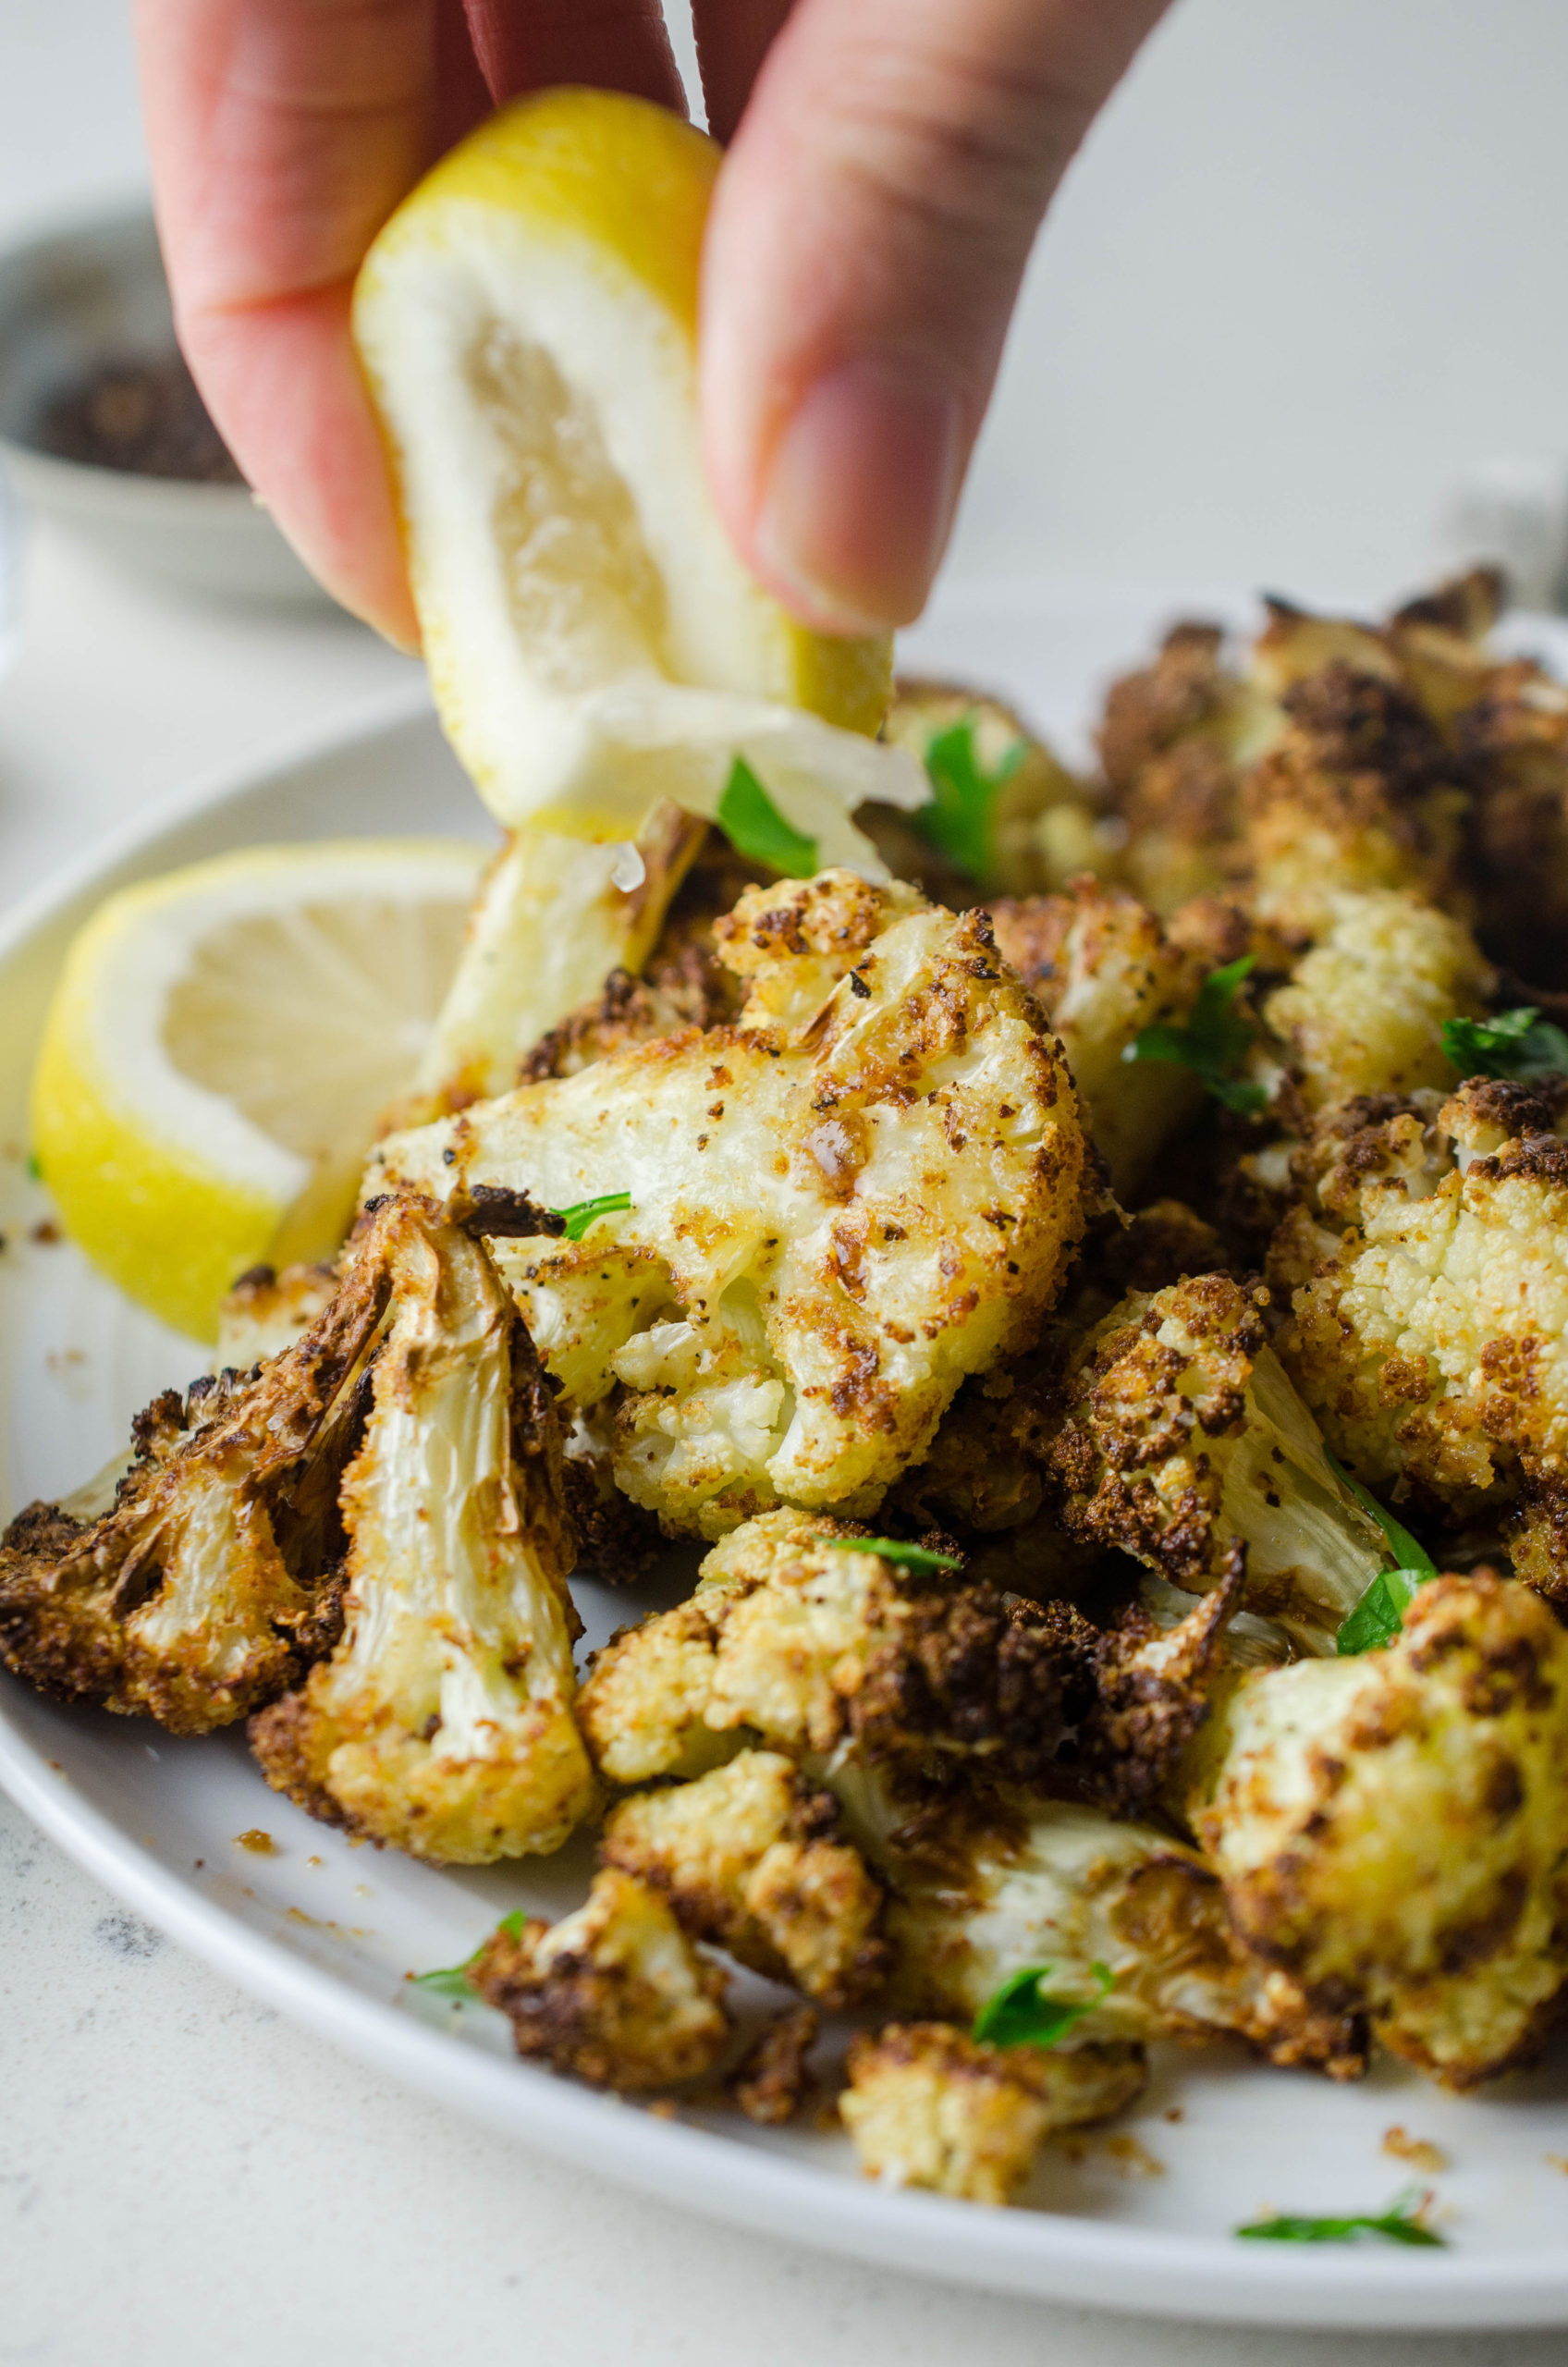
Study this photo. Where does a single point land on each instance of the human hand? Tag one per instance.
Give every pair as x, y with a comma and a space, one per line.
889, 162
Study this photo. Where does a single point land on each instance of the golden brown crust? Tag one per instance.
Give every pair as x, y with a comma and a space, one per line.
774, 2079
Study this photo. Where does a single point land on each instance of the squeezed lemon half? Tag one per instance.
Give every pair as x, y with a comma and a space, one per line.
527, 322
220, 1047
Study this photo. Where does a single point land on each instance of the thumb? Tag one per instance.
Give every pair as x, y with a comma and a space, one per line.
870, 229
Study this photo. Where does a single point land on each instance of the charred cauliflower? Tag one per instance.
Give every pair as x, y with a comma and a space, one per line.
979, 1888
1178, 1435
749, 1857
1429, 1290
206, 1587
1393, 1829
832, 1645
928, 2106
442, 1719
615, 1993
838, 1208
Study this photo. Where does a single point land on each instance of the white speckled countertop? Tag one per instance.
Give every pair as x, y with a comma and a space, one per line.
184, 2178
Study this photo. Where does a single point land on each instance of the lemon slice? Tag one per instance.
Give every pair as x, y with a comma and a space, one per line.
220, 1047
527, 323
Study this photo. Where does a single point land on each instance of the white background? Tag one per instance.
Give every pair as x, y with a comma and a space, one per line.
1308, 273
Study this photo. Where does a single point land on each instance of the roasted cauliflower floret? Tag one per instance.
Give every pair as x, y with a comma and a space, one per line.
615, 1991
748, 1856
1174, 739
1362, 1011
443, 1720
1360, 791
981, 1887
1429, 1333
267, 1311
838, 1647
1391, 1827
1005, 816
1514, 736
928, 2106
1177, 1436
1103, 969
839, 1207
206, 1587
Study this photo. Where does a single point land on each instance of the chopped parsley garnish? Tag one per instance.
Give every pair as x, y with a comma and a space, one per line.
1021, 2014
755, 828
34, 1167
1402, 2224
1213, 1041
575, 1220
959, 819
452, 1980
1377, 1617
918, 1558
1511, 1043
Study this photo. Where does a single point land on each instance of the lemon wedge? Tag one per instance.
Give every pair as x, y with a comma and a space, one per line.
527, 324
220, 1047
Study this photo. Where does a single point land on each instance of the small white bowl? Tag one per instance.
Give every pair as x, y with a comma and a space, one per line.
70, 300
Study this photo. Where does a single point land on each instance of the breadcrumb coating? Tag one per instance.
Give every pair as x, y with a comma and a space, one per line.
615, 1991
928, 2107
866, 1191
749, 1857
442, 1719
1390, 1828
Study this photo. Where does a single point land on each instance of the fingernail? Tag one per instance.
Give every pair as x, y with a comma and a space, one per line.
861, 493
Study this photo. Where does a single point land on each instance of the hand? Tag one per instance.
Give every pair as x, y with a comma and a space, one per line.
889, 163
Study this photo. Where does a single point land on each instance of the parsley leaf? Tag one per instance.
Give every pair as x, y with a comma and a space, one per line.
1213, 1041
754, 826
452, 1980
918, 1558
958, 821
1400, 2223
1511, 1043
1376, 1619
576, 1220
1019, 2013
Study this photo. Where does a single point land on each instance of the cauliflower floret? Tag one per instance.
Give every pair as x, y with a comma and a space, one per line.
1390, 1828
838, 1210
774, 2079
204, 1585
548, 928
267, 1311
928, 2106
1177, 1436
1515, 739
1360, 791
747, 1856
615, 1993
839, 1648
1006, 816
981, 1887
443, 1720
1364, 1010
1103, 969
1431, 1335
1175, 736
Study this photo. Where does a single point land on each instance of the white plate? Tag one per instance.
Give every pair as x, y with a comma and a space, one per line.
328, 1933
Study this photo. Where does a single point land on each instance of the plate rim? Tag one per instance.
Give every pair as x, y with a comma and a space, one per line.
1051, 2256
